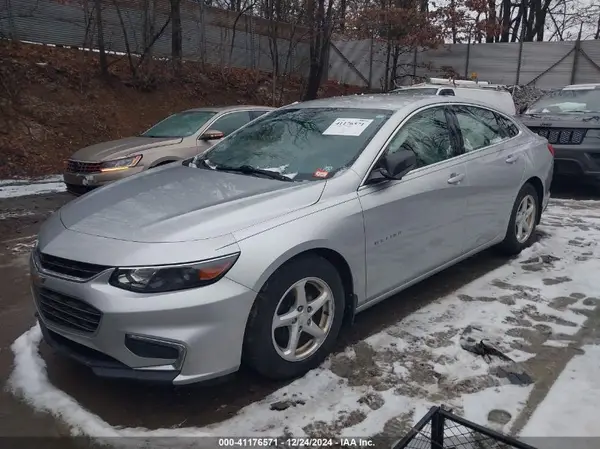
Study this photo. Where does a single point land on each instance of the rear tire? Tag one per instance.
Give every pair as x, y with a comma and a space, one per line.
282, 313
523, 222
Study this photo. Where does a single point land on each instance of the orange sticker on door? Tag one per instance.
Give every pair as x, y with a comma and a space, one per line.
320, 173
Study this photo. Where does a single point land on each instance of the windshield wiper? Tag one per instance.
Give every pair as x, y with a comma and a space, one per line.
249, 170
202, 161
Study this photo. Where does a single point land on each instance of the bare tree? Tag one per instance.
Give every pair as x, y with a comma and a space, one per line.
320, 21
176, 35
101, 49
137, 60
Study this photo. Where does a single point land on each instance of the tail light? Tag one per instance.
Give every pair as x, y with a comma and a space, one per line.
551, 149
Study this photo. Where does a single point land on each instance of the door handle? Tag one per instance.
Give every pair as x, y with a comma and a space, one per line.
455, 178
512, 158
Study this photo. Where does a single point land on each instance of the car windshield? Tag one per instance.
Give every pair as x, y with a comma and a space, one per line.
183, 124
302, 144
416, 91
564, 101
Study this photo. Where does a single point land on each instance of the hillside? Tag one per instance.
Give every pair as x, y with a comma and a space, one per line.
52, 101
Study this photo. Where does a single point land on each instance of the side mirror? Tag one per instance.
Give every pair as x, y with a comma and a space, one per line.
523, 108
394, 166
212, 134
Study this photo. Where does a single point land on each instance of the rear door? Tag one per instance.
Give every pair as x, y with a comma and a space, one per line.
495, 164
415, 225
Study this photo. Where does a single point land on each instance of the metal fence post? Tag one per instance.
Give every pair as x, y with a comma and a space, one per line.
468, 57
519, 62
437, 430
415, 64
576, 55
371, 65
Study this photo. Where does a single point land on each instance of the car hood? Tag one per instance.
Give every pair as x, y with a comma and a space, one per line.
562, 120
176, 204
115, 149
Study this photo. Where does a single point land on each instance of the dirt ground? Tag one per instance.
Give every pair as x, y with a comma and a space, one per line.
192, 405
53, 103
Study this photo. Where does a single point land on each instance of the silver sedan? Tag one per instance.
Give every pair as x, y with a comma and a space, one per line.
260, 250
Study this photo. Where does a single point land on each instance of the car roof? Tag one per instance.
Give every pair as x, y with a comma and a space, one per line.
485, 87
388, 101
591, 86
220, 109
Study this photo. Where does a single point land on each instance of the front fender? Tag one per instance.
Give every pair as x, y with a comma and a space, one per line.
338, 228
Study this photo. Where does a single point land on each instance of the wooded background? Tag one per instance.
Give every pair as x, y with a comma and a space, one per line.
373, 43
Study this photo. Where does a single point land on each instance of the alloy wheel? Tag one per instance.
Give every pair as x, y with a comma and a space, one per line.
303, 318
525, 218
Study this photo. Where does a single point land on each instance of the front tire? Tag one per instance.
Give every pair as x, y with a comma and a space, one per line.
295, 320
523, 222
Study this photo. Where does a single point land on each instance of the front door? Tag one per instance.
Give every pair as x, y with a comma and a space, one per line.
495, 166
415, 225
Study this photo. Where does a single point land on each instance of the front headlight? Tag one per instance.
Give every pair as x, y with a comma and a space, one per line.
170, 278
120, 164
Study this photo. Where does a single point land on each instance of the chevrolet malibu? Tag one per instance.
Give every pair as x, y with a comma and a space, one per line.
258, 251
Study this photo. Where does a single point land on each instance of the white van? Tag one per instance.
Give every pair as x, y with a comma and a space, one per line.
494, 95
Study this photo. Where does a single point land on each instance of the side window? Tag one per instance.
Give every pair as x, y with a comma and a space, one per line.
447, 92
256, 114
426, 134
479, 127
510, 129
231, 122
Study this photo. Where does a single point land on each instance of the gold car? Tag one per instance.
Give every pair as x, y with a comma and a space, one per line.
178, 137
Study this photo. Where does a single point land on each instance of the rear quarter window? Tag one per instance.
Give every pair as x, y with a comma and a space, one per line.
507, 126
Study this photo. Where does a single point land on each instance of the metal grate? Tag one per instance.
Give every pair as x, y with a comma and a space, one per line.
78, 270
68, 312
440, 429
83, 167
562, 136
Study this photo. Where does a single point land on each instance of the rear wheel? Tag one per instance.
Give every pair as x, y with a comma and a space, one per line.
296, 319
523, 221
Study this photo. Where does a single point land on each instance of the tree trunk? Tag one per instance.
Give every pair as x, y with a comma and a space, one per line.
320, 23
101, 48
506, 9
176, 35
491, 22
453, 22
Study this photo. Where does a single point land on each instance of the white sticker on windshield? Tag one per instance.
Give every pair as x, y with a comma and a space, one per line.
347, 127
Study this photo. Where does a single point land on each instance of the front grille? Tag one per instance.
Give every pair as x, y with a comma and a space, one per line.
68, 312
83, 167
71, 268
561, 136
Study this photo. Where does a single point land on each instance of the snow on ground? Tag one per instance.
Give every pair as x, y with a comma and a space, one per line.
10, 188
17, 214
383, 385
560, 415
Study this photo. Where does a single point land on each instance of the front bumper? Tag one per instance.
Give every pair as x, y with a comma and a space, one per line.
101, 364
186, 336
79, 183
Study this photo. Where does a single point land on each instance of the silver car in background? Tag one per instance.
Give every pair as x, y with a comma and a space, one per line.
258, 251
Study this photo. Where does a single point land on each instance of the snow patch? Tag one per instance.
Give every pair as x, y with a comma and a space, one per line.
10, 188
571, 407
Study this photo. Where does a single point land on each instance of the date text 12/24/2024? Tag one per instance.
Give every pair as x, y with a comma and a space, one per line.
296, 442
